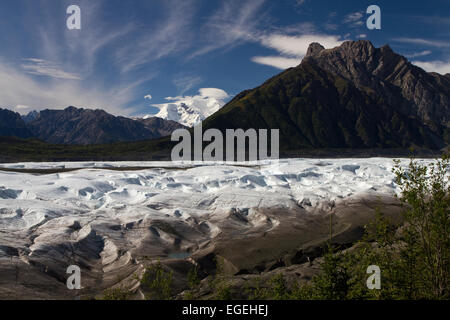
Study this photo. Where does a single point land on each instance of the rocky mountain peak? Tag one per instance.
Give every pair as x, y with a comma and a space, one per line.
360, 51
354, 95
314, 49
386, 73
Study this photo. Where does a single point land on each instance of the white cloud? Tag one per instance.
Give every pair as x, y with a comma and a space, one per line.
21, 108
362, 36
148, 97
297, 46
215, 93
434, 66
419, 54
292, 48
277, 62
42, 67
432, 43
204, 94
354, 19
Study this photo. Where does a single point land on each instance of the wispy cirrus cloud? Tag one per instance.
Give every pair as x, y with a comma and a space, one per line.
441, 66
433, 20
419, 54
64, 70
425, 42
185, 83
237, 23
354, 19
234, 23
45, 68
24, 93
171, 35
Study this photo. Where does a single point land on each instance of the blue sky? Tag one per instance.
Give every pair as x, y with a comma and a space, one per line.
159, 49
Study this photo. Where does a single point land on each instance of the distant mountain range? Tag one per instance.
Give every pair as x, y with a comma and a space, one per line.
82, 126
352, 97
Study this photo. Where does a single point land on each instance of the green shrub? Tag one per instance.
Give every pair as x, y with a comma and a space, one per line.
116, 294
157, 283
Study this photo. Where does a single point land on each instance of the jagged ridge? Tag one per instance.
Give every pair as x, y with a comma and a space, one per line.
352, 96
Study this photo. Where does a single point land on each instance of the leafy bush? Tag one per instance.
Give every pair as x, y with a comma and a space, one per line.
425, 240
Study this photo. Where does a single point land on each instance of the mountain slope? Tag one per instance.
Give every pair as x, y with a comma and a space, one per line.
160, 127
353, 96
409, 88
81, 126
11, 124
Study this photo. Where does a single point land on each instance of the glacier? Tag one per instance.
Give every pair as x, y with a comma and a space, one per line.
182, 190
107, 216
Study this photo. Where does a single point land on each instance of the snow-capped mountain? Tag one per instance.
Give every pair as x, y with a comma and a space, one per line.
181, 113
191, 110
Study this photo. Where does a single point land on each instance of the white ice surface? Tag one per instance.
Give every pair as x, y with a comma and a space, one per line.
182, 191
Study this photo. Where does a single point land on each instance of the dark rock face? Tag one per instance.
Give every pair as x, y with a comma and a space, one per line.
84, 127
11, 124
413, 91
352, 96
314, 49
160, 127
30, 116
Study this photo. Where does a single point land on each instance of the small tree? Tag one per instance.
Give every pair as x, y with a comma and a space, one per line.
192, 278
333, 282
157, 282
220, 282
426, 238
